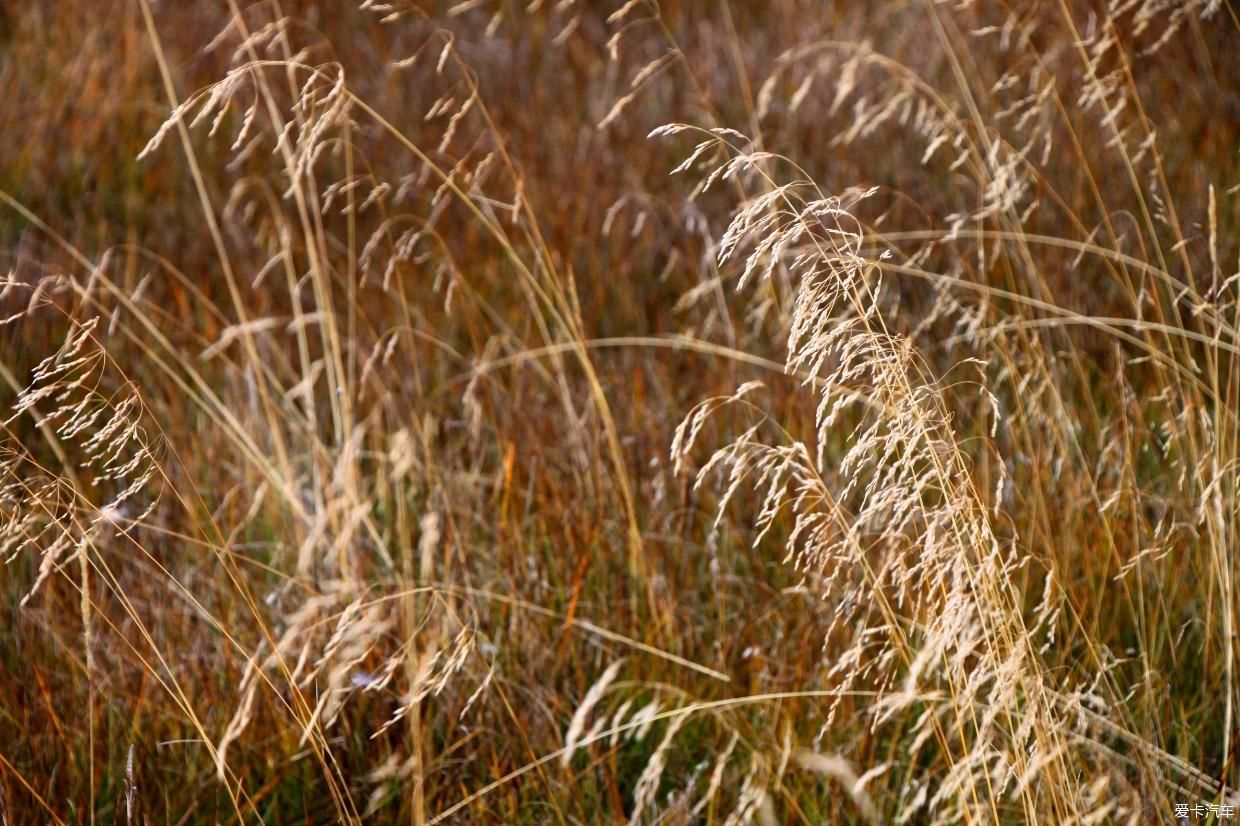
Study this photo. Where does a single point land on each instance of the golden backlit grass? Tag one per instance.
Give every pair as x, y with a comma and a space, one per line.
565, 412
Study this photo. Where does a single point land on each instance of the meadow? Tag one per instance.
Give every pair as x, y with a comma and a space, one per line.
662, 411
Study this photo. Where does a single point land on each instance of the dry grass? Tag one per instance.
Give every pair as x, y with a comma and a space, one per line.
388, 436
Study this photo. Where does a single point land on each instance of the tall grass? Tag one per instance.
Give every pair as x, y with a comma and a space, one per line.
388, 436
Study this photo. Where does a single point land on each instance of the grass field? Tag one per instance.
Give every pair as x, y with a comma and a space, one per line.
697, 411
